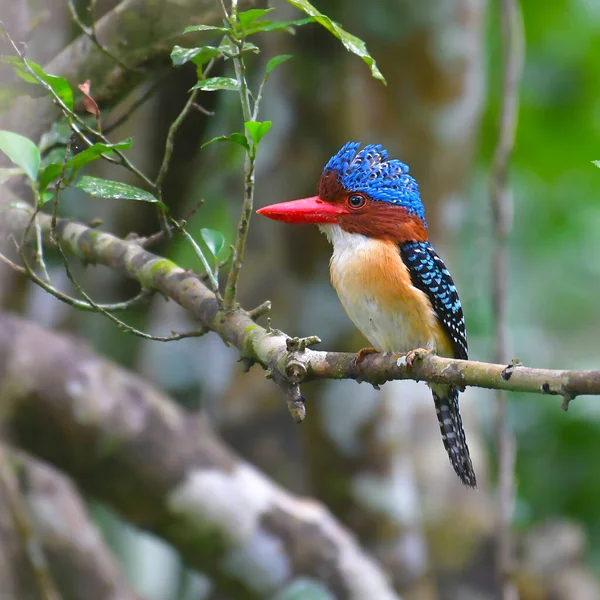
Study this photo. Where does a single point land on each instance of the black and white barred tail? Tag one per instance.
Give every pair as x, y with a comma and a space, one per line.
445, 398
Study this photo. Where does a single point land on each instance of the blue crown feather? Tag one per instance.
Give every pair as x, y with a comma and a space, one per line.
371, 172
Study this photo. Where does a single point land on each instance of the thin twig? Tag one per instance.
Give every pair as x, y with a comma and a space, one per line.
260, 310
101, 308
78, 125
209, 273
501, 204
31, 542
90, 31
170, 143
249, 168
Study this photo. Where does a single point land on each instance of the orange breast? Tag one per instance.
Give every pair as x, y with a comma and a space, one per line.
376, 291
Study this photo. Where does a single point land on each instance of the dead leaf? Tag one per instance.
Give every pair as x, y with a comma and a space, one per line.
88, 102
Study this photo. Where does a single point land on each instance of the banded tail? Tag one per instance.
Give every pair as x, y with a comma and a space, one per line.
445, 398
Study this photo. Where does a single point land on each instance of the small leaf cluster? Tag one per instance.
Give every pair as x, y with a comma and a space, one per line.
59, 168
235, 31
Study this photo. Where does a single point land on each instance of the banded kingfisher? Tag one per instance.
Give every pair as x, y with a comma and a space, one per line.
390, 280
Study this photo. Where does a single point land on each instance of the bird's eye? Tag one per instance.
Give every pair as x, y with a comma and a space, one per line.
356, 201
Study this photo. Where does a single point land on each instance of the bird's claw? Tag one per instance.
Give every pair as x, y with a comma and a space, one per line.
360, 355
416, 354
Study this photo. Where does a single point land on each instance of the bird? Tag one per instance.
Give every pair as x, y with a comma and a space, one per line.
390, 280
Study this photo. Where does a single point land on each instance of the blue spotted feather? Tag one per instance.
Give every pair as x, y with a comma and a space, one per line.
429, 274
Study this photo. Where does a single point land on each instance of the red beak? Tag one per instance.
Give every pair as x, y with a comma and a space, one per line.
303, 212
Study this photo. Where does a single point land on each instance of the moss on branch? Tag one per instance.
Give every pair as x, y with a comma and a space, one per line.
289, 364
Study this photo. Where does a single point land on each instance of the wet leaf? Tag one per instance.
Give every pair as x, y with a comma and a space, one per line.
53, 170
195, 28
103, 188
213, 84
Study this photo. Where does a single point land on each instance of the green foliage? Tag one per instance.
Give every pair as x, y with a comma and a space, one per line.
248, 17
350, 42
21, 151
257, 130
59, 85
213, 84
95, 151
276, 61
103, 188
214, 240
197, 28
236, 138
53, 170
199, 56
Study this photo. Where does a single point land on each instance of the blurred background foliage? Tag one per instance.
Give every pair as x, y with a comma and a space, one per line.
439, 114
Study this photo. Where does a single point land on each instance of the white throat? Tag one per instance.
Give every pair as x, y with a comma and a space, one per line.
342, 241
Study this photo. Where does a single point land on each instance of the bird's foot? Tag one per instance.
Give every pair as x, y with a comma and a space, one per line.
360, 355
416, 354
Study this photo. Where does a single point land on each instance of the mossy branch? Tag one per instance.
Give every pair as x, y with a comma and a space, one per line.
290, 364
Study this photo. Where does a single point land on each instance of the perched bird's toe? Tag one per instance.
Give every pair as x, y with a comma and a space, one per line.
415, 354
360, 355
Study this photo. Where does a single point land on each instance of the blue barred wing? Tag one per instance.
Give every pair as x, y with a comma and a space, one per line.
429, 274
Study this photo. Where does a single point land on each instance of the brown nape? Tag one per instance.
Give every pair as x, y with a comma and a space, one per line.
384, 221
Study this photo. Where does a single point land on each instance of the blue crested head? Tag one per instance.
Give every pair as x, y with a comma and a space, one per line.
371, 172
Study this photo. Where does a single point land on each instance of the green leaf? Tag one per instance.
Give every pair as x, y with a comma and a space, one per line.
249, 16
199, 56
19, 68
213, 84
350, 42
236, 138
597, 163
276, 61
22, 151
49, 174
257, 130
103, 188
288, 26
60, 86
45, 197
93, 152
194, 28
215, 240
250, 47
229, 50
53, 170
